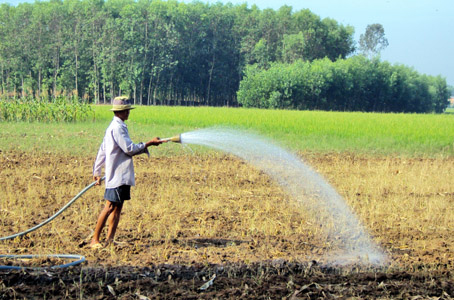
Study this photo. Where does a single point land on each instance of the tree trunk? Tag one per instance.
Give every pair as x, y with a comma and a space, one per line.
135, 91
2, 90
39, 83
95, 75
76, 75
104, 93
22, 82
210, 78
57, 70
149, 92
155, 89
144, 63
15, 86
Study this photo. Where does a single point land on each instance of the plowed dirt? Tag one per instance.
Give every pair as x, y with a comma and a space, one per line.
194, 217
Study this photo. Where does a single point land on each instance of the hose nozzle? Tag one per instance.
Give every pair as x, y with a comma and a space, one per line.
175, 139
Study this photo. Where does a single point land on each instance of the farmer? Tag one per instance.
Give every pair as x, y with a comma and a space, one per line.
116, 154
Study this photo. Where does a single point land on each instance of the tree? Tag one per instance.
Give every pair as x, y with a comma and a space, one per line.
440, 93
373, 40
157, 51
451, 90
293, 47
352, 84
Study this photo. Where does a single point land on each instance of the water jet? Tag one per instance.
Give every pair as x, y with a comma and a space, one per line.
302, 183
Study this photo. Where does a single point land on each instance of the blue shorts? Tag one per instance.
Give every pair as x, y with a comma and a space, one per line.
118, 194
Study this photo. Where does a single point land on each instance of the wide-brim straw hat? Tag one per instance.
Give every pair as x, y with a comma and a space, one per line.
121, 103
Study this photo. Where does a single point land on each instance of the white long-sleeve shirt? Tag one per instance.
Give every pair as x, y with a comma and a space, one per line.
116, 152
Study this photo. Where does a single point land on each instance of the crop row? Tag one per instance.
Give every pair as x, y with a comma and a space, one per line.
60, 109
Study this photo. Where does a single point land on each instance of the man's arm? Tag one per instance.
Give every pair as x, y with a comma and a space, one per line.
154, 142
123, 140
99, 162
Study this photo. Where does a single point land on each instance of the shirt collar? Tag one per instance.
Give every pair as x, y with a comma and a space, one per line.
118, 120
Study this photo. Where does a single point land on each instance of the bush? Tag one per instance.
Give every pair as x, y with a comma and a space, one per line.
353, 84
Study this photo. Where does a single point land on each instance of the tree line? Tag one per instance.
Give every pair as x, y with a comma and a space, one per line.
159, 52
352, 84
172, 53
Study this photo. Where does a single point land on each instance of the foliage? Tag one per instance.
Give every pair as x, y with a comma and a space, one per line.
158, 52
353, 84
373, 40
451, 90
60, 109
172, 53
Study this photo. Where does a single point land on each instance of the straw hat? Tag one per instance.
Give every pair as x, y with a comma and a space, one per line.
121, 103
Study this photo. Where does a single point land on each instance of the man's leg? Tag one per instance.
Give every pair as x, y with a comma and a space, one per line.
114, 219
103, 216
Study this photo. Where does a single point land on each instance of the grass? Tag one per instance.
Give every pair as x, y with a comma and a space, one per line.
449, 110
308, 131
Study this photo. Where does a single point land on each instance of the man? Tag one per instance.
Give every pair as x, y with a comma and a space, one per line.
116, 152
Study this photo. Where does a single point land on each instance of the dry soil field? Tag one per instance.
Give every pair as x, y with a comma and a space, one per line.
193, 216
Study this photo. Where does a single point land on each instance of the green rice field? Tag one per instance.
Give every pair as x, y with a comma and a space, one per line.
308, 131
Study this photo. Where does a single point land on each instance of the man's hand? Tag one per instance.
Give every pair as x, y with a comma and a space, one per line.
97, 179
154, 142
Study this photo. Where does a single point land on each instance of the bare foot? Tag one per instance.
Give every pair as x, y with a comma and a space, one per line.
115, 243
95, 245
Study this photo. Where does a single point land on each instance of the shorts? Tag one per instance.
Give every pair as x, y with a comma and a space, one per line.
118, 194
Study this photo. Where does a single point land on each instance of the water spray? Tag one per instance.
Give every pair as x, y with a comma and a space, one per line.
302, 183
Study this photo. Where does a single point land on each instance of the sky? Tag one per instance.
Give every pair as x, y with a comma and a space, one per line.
420, 32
